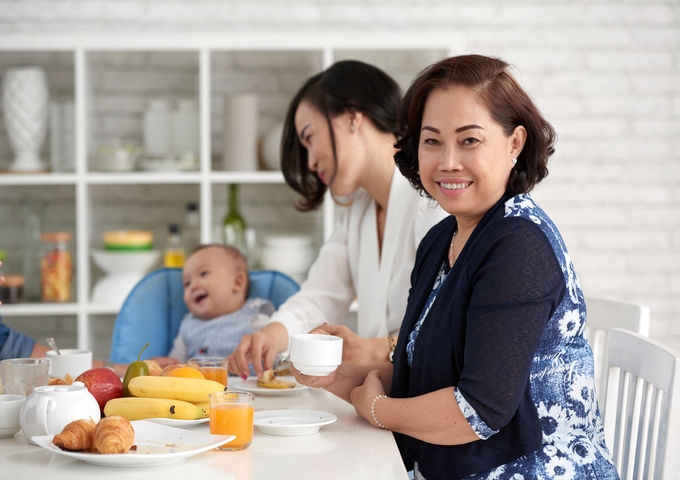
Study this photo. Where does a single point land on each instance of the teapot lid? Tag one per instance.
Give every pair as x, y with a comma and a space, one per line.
74, 387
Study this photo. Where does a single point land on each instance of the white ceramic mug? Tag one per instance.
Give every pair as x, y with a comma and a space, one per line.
71, 361
314, 354
10, 408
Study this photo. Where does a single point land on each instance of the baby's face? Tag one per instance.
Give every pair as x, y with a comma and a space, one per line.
213, 285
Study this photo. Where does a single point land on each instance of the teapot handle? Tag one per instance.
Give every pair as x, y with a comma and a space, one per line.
41, 412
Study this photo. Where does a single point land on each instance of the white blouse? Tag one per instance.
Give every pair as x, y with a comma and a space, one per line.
349, 265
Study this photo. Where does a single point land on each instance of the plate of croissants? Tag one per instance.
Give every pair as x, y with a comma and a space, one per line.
118, 442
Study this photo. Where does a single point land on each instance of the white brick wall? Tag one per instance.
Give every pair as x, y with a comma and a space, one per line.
605, 72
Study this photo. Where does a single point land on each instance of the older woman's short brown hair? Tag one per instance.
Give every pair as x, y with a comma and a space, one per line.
507, 102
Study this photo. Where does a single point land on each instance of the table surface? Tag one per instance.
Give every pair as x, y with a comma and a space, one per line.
348, 448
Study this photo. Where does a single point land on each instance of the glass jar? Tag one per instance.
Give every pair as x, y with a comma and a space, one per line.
56, 267
12, 290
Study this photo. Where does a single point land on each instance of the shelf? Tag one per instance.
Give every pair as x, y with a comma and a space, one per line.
246, 177
142, 178
37, 179
38, 309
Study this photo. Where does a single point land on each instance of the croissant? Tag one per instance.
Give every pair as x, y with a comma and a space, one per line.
77, 436
113, 434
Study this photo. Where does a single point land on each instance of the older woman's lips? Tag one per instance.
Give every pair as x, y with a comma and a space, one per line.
322, 177
454, 186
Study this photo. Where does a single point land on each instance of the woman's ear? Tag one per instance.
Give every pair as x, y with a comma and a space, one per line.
355, 118
517, 140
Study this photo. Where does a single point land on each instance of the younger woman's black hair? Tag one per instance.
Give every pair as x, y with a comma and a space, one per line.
348, 85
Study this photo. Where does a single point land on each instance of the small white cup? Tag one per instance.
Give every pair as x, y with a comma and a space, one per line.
10, 408
314, 354
71, 361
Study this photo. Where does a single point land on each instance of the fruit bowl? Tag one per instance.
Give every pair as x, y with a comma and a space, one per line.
123, 270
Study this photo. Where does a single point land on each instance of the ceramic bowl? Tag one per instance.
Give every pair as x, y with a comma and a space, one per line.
10, 410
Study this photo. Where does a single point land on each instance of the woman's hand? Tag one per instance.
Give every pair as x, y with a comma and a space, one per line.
311, 381
363, 395
258, 347
356, 349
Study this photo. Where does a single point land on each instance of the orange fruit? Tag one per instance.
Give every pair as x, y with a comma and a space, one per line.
186, 372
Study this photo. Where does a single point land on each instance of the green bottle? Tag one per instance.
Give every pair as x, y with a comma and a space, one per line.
234, 225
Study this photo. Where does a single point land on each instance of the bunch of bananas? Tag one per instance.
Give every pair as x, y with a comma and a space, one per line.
164, 397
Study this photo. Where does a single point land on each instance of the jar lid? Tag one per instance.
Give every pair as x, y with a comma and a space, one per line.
13, 281
55, 237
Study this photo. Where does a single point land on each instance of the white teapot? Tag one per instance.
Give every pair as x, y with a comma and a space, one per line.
47, 410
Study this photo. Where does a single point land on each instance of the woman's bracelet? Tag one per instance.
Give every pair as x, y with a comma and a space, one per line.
375, 417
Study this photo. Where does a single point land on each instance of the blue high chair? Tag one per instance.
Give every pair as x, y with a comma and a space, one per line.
155, 307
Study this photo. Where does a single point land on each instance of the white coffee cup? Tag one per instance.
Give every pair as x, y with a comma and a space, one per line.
71, 361
315, 354
10, 408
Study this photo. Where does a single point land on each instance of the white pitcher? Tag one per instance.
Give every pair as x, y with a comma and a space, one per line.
47, 410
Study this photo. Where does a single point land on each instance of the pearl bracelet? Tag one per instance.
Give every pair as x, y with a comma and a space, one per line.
375, 417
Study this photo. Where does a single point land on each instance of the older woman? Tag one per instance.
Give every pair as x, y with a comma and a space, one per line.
492, 376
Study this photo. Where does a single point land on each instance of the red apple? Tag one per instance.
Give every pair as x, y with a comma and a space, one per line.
103, 384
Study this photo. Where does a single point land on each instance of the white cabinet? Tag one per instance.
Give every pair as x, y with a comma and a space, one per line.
112, 79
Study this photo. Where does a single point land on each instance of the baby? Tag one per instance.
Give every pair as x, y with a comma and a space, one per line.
216, 283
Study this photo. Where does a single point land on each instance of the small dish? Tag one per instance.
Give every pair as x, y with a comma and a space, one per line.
156, 445
251, 386
292, 422
173, 422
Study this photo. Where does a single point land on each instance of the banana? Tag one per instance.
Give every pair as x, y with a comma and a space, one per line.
138, 408
194, 390
205, 407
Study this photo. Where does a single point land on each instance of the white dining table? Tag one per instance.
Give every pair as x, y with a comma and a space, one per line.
349, 448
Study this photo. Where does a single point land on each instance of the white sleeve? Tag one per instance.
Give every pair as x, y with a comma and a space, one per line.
259, 321
179, 350
328, 292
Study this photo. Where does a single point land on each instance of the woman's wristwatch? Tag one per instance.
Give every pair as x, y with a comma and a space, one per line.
393, 347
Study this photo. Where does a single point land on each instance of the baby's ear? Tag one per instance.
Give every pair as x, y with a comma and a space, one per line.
240, 281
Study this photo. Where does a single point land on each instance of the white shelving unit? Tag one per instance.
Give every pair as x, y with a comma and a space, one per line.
213, 55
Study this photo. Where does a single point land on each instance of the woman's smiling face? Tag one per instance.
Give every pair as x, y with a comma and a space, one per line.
464, 156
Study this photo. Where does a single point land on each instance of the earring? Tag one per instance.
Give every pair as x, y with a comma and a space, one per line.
514, 161
351, 128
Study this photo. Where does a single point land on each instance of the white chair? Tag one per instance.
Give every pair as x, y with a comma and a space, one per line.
642, 406
606, 314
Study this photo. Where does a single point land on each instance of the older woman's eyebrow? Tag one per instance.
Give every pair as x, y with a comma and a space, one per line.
458, 130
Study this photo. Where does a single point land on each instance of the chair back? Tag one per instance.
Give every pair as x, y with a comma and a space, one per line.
155, 307
642, 406
604, 315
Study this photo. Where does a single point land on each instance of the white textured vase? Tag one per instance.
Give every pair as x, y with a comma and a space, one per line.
25, 101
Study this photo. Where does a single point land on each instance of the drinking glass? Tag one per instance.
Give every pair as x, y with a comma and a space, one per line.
212, 368
21, 375
232, 413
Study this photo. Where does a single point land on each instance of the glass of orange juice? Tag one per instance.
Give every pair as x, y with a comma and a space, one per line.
231, 413
212, 368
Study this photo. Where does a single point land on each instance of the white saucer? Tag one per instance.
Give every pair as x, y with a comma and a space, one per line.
173, 422
251, 386
292, 422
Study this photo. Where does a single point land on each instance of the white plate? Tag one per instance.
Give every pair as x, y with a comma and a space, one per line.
292, 422
173, 422
251, 386
156, 445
